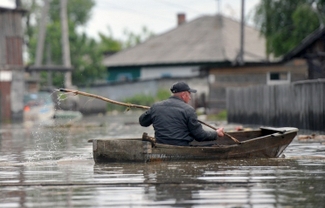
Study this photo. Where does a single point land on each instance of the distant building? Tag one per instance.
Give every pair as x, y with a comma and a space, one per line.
312, 50
11, 64
186, 50
275, 73
207, 47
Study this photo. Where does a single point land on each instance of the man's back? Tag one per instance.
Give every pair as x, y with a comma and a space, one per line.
175, 123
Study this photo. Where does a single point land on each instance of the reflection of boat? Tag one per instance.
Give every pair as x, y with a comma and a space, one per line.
261, 143
38, 107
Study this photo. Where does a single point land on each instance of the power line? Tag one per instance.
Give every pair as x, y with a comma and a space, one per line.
134, 11
144, 13
179, 5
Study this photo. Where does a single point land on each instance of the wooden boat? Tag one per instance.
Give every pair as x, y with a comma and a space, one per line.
264, 142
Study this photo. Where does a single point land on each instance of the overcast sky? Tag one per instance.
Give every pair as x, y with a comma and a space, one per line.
158, 16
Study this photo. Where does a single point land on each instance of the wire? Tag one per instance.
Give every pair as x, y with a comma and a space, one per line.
134, 11
178, 5
143, 12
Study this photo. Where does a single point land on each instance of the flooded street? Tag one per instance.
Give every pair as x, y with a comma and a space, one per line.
53, 167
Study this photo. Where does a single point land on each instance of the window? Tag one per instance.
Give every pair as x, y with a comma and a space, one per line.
124, 77
166, 75
278, 78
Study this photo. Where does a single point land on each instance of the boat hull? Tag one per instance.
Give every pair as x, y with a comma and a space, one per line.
263, 143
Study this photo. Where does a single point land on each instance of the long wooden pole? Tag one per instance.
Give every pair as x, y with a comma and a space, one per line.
130, 105
228, 135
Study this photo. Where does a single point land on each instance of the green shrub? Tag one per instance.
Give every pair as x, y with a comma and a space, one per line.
163, 94
113, 107
140, 99
221, 116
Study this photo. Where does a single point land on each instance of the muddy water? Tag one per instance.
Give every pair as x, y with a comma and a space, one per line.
53, 167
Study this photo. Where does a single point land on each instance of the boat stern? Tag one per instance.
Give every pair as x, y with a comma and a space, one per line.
121, 150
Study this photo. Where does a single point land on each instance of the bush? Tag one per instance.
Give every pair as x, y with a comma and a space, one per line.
221, 116
163, 95
140, 99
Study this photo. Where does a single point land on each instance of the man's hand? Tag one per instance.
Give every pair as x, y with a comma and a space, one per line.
220, 132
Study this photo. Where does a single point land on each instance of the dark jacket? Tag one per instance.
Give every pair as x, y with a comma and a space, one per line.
175, 123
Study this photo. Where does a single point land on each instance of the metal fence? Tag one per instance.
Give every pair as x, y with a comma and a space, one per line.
300, 104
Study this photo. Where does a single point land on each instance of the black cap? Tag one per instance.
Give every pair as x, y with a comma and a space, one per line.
181, 87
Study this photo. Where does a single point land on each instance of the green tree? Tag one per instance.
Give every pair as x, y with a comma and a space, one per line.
133, 39
285, 23
86, 53
108, 43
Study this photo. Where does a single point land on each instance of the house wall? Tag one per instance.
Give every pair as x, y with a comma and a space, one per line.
5, 88
17, 94
315, 58
123, 74
222, 78
165, 72
11, 60
145, 73
11, 37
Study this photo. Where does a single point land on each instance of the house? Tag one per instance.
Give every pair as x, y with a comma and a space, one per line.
210, 47
312, 50
11, 64
224, 77
185, 50
300, 104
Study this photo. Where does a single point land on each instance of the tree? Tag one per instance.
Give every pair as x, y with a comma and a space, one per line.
86, 53
134, 39
285, 23
108, 43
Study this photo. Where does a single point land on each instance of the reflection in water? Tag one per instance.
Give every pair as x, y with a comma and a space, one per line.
232, 183
53, 167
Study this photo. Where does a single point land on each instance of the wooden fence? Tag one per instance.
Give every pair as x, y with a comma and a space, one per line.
300, 104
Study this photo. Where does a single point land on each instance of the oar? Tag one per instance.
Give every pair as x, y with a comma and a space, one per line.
130, 105
212, 127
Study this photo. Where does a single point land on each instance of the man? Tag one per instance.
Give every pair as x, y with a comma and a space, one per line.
174, 121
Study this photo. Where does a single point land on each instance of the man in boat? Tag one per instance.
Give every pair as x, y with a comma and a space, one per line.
175, 121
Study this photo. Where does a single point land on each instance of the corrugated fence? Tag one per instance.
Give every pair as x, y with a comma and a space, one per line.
300, 104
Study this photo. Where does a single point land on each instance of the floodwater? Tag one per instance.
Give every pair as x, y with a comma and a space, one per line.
43, 166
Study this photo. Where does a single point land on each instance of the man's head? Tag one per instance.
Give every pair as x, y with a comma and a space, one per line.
182, 90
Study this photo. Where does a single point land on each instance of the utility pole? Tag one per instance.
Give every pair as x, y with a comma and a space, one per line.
41, 34
18, 4
65, 42
218, 7
40, 40
242, 33
73, 102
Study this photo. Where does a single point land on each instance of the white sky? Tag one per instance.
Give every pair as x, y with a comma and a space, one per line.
158, 16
